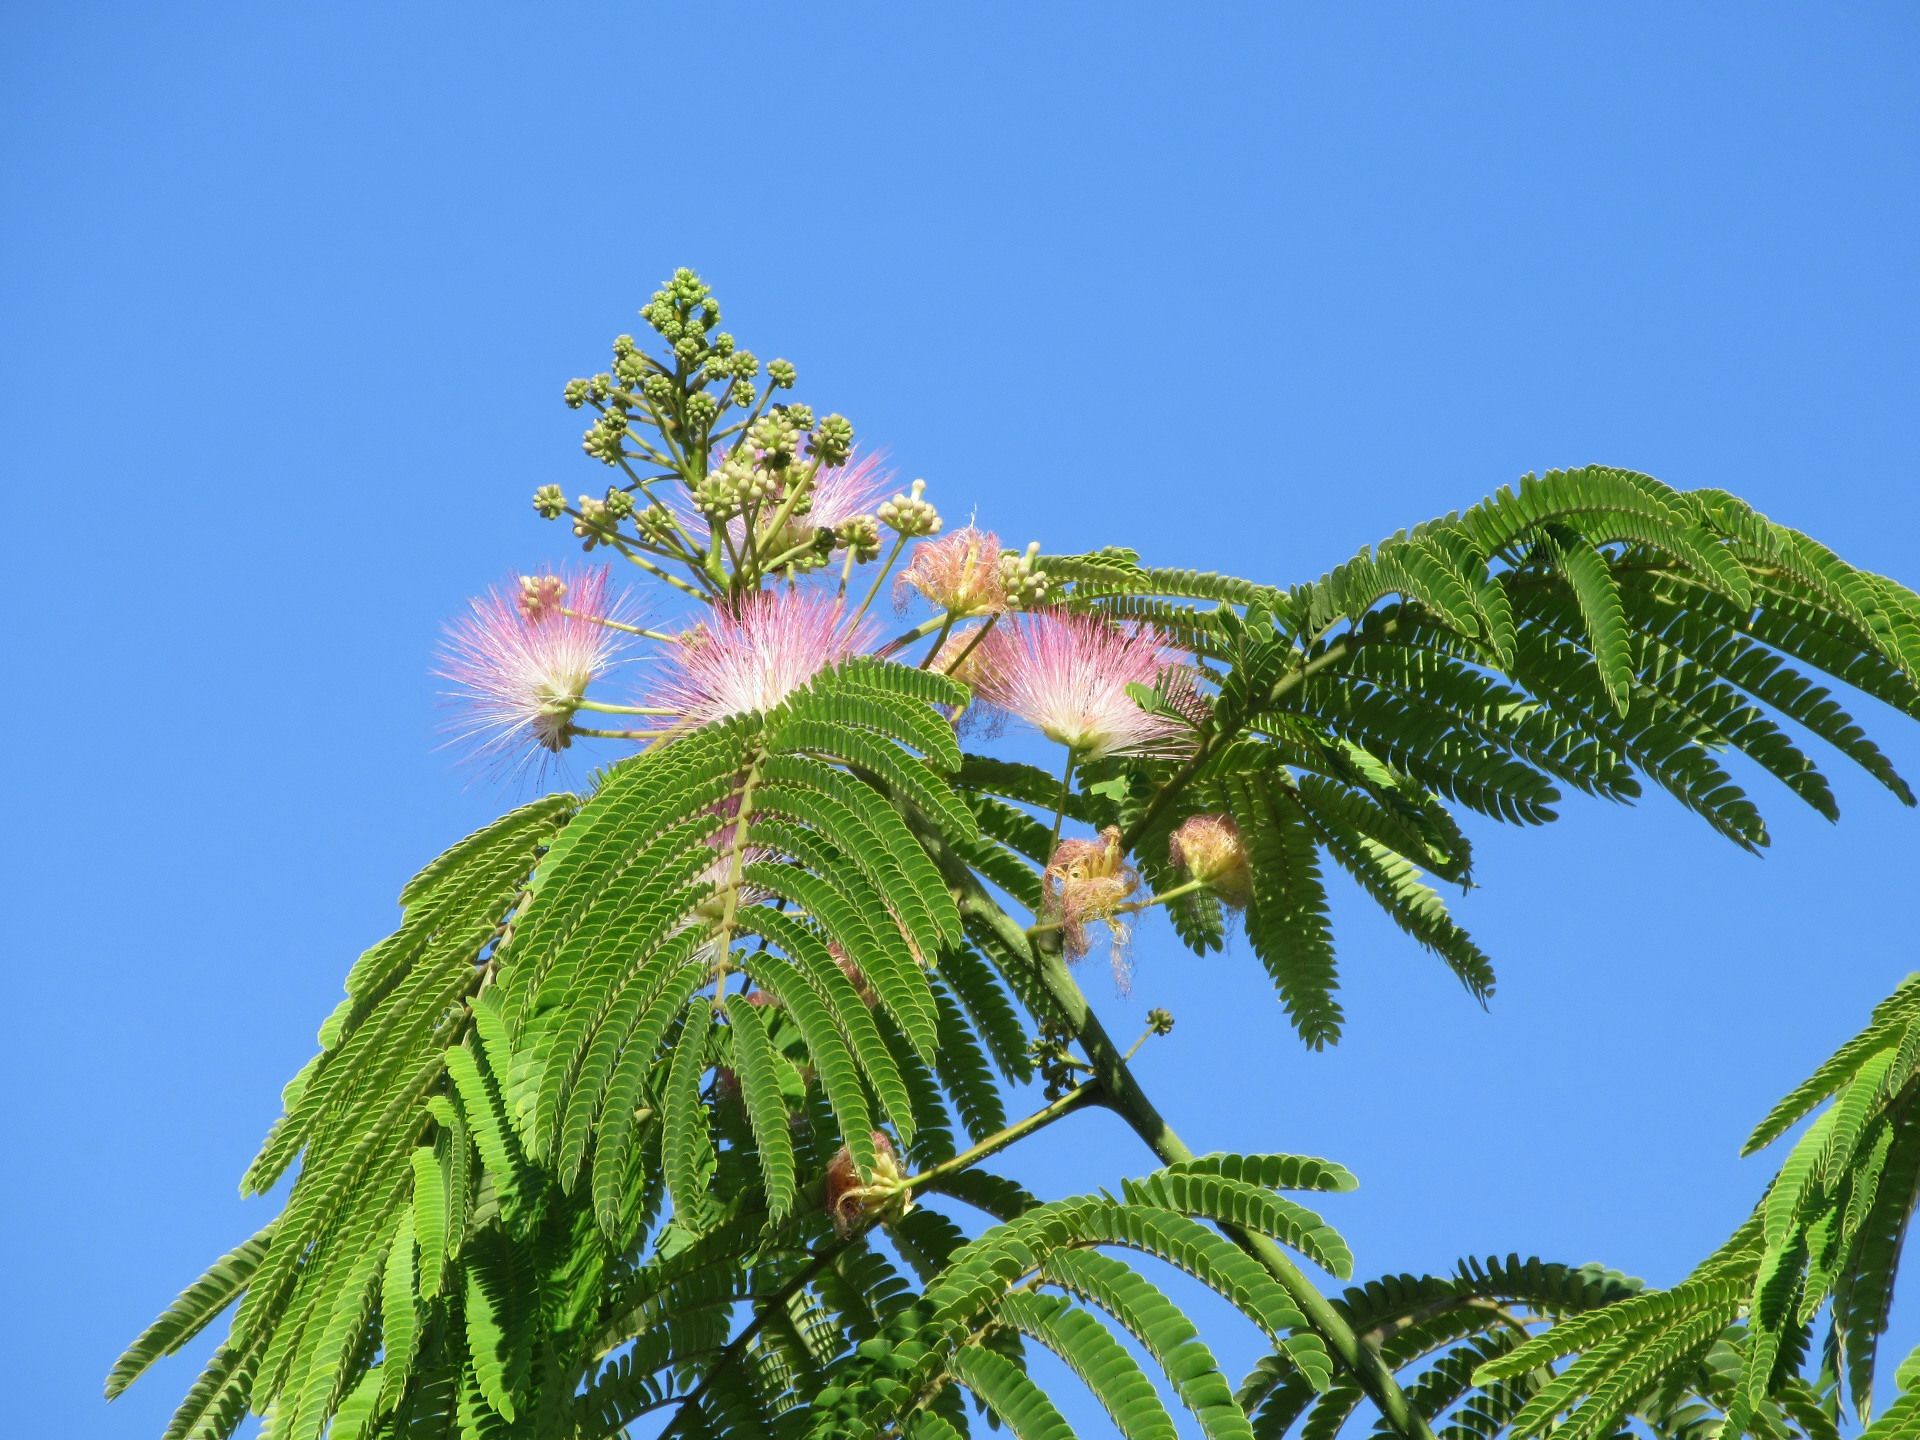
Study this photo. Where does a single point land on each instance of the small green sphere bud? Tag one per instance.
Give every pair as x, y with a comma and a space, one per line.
774, 437
801, 416
716, 498
615, 420
658, 389
688, 348
1160, 1022
575, 394
742, 393
712, 316
550, 502
623, 346
630, 370
746, 364
1024, 583
602, 441
655, 523
723, 343
833, 440
910, 515
701, 409
619, 503
782, 374
861, 535
594, 526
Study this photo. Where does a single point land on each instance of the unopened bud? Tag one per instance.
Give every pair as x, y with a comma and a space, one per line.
550, 502
910, 515
782, 374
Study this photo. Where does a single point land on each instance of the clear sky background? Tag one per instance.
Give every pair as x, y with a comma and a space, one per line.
289, 294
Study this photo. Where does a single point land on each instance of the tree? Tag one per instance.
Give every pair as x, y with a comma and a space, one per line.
649, 1106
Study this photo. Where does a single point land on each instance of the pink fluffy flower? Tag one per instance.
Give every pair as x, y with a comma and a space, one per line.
753, 654
959, 573
521, 662
1067, 676
841, 492
1209, 848
1085, 881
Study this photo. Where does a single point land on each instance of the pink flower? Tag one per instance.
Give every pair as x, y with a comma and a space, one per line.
522, 660
1067, 676
841, 492
850, 1202
756, 652
959, 574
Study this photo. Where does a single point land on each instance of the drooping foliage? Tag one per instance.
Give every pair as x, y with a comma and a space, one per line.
665, 1107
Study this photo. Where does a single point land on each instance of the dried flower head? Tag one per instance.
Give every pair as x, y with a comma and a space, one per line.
1210, 849
1067, 676
754, 653
520, 665
858, 977
886, 1198
959, 574
1088, 881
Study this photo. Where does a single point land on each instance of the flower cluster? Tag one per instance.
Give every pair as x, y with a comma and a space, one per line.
885, 1198
1087, 881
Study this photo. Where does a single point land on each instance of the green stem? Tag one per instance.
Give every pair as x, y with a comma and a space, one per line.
618, 625
599, 734
1122, 1094
601, 707
946, 629
1074, 1099
879, 580
1060, 809
1132, 907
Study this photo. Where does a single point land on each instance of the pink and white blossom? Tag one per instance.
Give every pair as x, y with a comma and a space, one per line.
959, 573
522, 660
755, 652
1067, 676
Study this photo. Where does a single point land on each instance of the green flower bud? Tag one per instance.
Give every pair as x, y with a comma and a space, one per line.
594, 526
861, 535
658, 388
701, 409
782, 374
1023, 582
688, 348
630, 370
833, 440
746, 364
774, 437
575, 394
623, 346
550, 502
723, 344
800, 416
602, 441
909, 515
655, 523
742, 393
716, 498
619, 503
1160, 1021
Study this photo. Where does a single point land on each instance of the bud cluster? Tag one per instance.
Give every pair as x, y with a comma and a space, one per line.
1022, 581
909, 515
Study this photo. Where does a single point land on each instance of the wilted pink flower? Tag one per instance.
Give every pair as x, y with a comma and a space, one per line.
1210, 850
520, 666
1067, 676
861, 985
756, 652
1085, 881
959, 574
849, 1202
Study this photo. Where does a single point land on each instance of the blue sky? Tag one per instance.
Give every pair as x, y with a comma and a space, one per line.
289, 296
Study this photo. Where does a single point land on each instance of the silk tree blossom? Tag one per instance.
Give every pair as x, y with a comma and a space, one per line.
1209, 848
755, 652
522, 660
959, 574
1087, 881
1067, 676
